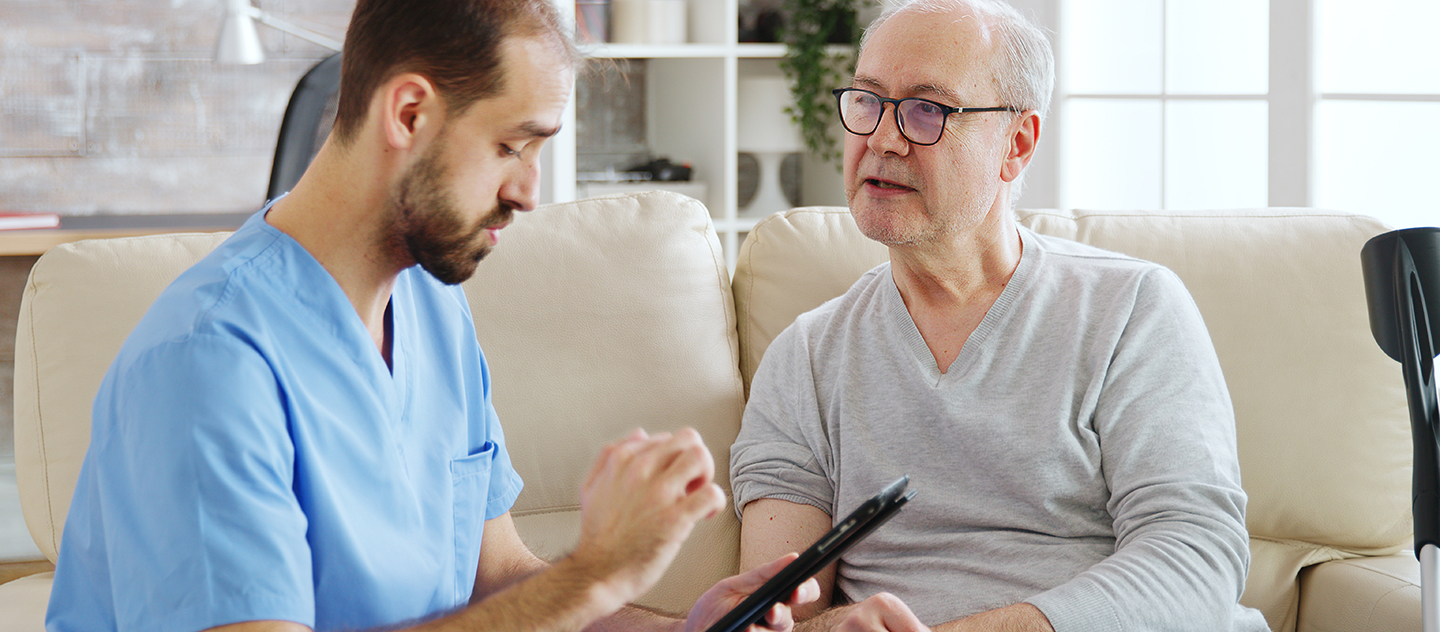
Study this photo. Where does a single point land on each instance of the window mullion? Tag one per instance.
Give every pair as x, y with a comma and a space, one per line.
1292, 101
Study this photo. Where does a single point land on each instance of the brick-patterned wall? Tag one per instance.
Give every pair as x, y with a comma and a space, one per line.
116, 107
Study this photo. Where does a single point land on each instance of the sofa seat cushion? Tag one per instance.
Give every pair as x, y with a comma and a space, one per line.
23, 603
1369, 594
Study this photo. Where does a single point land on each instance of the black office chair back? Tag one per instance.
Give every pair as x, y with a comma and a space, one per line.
308, 119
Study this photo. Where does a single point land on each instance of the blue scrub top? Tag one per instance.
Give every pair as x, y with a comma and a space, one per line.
253, 457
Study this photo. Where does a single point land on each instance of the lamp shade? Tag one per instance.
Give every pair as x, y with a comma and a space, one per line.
762, 121
239, 43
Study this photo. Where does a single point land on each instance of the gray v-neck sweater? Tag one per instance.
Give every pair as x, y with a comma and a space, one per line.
1079, 454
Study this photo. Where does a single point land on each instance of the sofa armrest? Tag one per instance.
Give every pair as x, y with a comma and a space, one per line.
1361, 595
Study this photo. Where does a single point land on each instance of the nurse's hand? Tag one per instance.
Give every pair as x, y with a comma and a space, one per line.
727, 594
639, 503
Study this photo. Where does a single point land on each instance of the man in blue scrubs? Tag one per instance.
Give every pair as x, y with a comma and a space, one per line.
299, 434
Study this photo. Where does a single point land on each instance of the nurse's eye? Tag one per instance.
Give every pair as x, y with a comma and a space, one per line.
506, 150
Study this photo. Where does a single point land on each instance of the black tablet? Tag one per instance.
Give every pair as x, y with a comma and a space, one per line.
871, 514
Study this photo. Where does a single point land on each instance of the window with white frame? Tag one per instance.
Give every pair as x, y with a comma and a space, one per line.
1377, 123
1196, 104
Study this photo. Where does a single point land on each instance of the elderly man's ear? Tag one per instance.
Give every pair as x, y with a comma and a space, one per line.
1024, 133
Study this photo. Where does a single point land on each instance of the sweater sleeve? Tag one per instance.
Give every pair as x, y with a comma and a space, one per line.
1167, 437
782, 450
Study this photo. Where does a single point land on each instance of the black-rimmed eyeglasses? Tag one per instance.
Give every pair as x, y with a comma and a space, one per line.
921, 121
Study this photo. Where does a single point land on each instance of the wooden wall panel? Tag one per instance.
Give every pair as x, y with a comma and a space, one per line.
210, 182
115, 106
42, 106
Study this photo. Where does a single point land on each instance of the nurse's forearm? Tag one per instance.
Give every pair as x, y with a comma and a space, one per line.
562, 598
637, 619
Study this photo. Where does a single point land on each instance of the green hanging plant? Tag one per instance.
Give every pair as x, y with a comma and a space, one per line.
814, 67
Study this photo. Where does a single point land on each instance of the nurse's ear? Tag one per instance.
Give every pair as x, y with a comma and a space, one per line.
410, 110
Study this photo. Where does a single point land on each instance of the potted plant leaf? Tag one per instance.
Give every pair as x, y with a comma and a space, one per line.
821, 38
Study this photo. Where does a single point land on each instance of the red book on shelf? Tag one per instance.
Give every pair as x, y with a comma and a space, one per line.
16, 221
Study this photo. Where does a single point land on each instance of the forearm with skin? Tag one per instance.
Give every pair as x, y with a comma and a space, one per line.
520, 570
1021, 617
629, 617
825, 621
637, 618
562, 598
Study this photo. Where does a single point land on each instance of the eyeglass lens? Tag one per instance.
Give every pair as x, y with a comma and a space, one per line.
920, 121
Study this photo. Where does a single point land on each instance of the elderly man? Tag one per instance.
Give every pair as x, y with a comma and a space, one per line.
299, 434
1060, 408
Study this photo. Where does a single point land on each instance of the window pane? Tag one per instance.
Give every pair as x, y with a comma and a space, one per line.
1112, 154
1378, 158
1384, 46
1216, 155
1113, 46
1217, 46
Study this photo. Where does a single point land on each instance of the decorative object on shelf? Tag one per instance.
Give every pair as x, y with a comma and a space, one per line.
790, 182
657, 170
239, 43
813, 69
759, 21
747, 178
658, 174
661, 169
592, 21
648, 21
768, 133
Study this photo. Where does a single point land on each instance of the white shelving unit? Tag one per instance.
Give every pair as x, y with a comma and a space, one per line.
691, 101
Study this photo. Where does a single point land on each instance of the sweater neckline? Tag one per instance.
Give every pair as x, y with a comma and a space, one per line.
994, 317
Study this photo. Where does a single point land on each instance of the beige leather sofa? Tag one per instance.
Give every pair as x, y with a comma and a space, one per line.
617, 312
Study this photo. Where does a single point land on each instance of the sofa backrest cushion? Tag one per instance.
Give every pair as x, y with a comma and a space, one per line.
1320, 411
596, 317
790, 263
80, 303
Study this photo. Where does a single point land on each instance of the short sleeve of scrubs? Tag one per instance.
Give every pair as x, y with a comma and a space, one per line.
503, 484
188, 494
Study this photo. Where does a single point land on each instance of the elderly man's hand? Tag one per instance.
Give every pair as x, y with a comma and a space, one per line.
639, 503
729, 592
882, 612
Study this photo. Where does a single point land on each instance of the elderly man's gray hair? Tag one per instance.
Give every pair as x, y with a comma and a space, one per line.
1023, 70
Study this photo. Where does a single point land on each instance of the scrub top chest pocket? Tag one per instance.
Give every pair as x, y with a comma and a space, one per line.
470, 477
